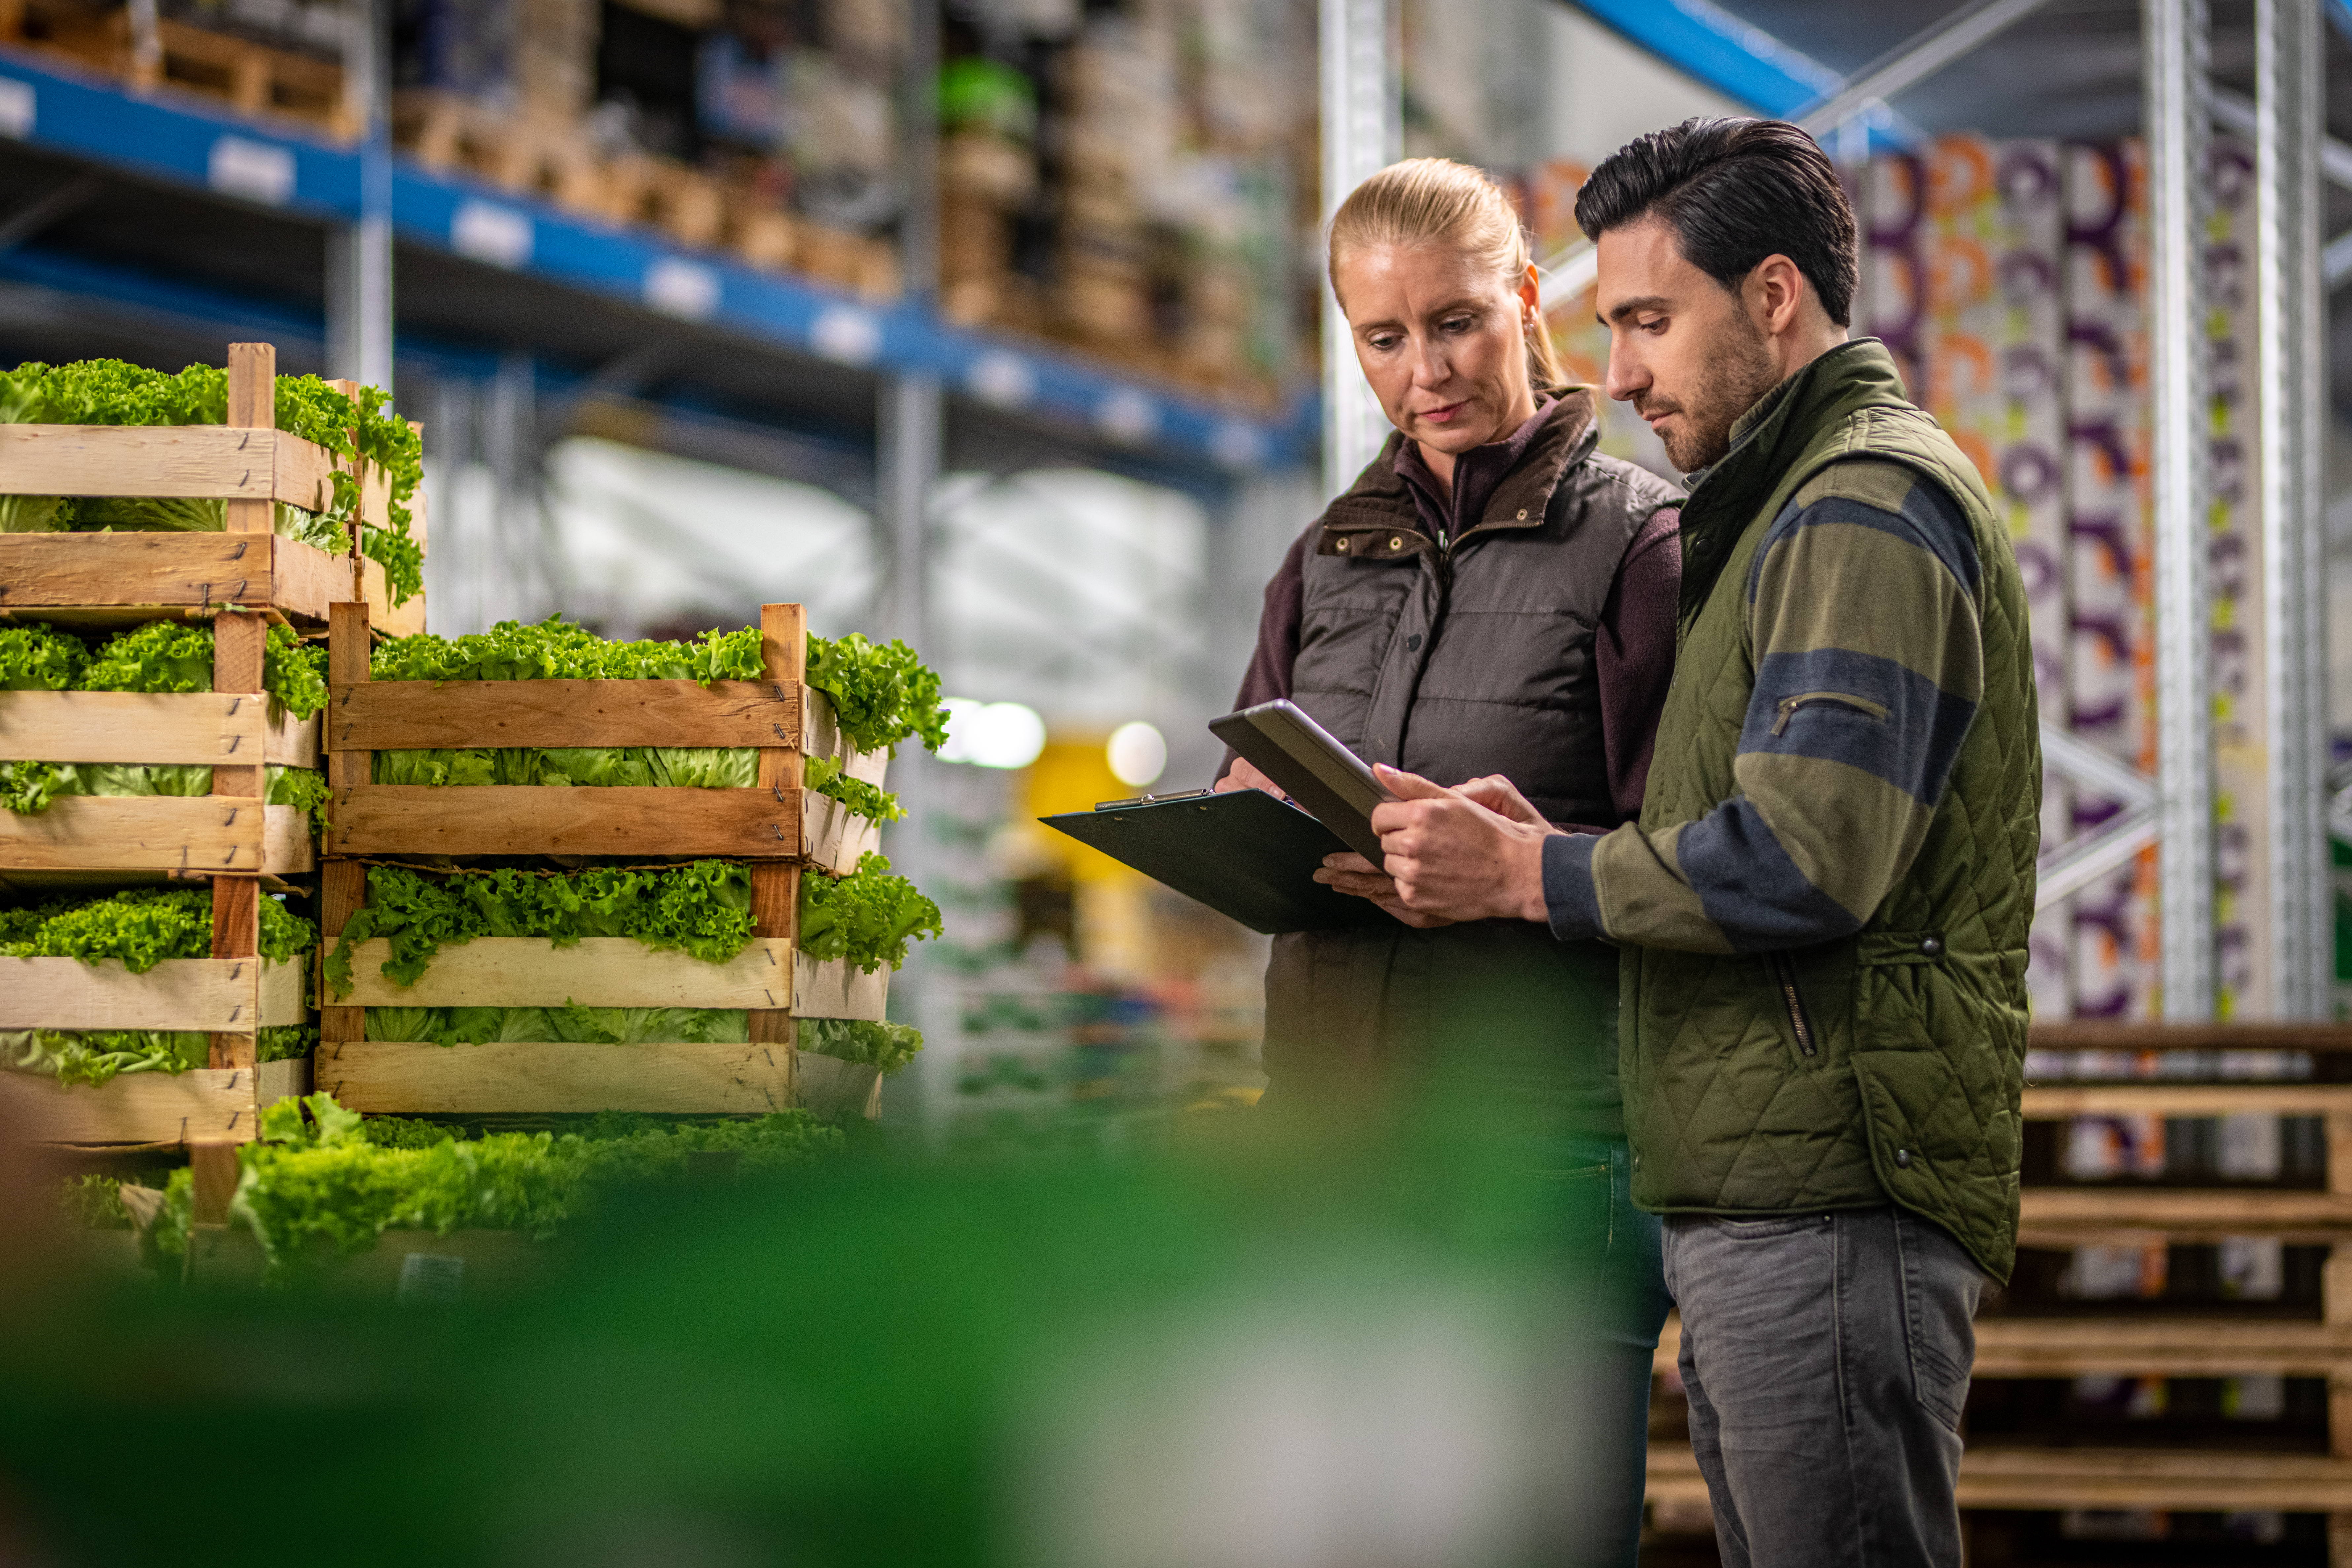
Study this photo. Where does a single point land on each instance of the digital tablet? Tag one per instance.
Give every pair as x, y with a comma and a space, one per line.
1312, 767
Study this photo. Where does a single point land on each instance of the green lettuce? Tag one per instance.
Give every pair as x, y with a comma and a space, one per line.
568, 1024
889, 1046
824, 775
880, 695
90, 1057
313, 1190
866, 916
142, 927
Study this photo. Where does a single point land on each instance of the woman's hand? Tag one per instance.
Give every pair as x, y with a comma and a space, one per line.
1350, 873
1246, 776
1450, 856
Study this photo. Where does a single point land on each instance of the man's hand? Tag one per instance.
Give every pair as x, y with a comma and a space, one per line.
1246, 776
1501, 796
1451, 857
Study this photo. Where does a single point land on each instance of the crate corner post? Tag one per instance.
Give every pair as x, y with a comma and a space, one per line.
776, 884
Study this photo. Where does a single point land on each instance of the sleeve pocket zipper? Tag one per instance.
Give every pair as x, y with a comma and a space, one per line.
1784, 975
1789, 706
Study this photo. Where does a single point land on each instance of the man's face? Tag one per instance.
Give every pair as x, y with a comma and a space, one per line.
1683, 349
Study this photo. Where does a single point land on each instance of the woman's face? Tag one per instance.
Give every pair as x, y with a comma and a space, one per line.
1441, 341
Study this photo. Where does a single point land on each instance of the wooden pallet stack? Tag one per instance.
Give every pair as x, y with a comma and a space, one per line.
2214, 1341
241, 580
149, 52
777, 827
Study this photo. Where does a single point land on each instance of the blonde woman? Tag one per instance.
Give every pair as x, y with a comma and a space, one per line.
1492, 598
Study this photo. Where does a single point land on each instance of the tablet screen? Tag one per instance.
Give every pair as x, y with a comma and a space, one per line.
1312, 767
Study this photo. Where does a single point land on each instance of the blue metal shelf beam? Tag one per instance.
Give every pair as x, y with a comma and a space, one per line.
48, 106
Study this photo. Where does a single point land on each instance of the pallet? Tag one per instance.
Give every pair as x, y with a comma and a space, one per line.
252, 78
225, 997
115, 579
155, 835
2021, 1477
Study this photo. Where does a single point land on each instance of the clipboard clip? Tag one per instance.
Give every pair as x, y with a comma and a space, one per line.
1150, 799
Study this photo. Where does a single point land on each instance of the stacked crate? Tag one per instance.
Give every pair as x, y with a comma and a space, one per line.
242, 579
2157, 1342
778, 827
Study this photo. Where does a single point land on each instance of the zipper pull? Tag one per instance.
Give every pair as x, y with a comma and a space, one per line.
1789, 706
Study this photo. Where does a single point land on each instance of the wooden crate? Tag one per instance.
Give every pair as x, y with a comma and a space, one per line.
775, 820
225, 997
115, 579
764, 825
224, 831
2009, 1476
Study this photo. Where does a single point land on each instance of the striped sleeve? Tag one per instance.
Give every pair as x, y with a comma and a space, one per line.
1863, 613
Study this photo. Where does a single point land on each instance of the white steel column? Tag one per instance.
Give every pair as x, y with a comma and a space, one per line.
2291, 328
2176, 36
1363, 132
358, 253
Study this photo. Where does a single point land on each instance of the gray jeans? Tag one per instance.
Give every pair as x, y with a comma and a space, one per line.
1826, 1358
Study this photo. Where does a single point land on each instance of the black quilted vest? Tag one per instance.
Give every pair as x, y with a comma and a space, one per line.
1455, 659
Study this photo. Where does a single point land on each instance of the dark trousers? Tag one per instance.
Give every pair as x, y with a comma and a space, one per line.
1827, 1357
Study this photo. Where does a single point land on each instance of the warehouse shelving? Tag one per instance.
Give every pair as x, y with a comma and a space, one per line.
481, 263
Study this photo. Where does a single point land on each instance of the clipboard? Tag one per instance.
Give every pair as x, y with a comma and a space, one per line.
1242, 853
1312, 767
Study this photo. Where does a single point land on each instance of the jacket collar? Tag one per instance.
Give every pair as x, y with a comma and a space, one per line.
1766, 441
1377, 517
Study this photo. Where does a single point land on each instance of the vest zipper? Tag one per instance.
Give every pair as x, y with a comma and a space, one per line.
1789, 706
1784, 974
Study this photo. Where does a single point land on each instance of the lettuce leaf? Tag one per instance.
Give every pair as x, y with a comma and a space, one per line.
866, 916
142, 927
871, 802
880, 695
889, 1046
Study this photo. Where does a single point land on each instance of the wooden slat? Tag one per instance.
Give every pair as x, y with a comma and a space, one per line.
492, 819
133, 1108
289, 742
830, 1089
2073, 1217
164, 570
425, 1079
776, 886
187, 728
600, 972
195, 462
136, 832
2152, 1037
287, 849
835, 988
833, 836
2032, 1478
202, 994
2140, 1099
420, 715
401, 620
2151, 1346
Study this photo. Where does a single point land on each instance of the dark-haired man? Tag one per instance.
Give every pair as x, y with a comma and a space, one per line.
1824, 905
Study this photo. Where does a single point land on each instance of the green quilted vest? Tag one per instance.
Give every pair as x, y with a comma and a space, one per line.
1919, 1018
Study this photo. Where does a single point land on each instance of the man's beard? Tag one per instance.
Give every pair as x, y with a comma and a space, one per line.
1737, 376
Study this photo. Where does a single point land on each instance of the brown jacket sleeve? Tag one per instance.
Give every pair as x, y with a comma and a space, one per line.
1268, 676
1635, 654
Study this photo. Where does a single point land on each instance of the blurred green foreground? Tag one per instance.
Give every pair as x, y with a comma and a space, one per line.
1271, 1346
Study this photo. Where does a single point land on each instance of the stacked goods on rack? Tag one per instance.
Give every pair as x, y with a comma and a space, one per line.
677, 977
161, 538
2253, 1374
283, 57
140, 490
766, 132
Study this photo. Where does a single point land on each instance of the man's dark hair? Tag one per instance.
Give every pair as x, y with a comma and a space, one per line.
1733, 192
